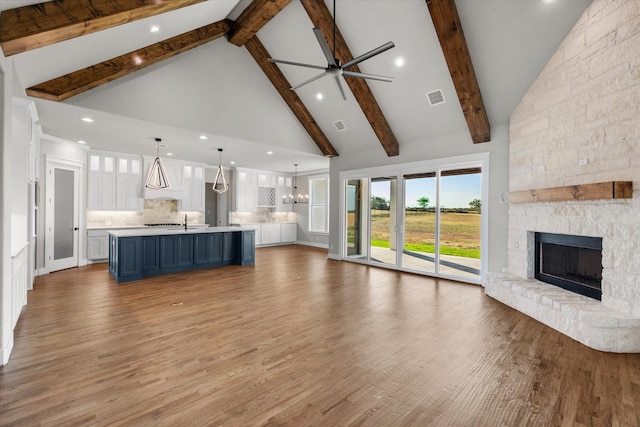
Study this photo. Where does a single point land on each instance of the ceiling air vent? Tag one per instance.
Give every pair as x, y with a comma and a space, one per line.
436, 97
340, 125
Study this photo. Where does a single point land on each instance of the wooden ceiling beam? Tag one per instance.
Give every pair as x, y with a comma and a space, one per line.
254, 17
280, 83
454, 47
30, 27
71, 84
322, 18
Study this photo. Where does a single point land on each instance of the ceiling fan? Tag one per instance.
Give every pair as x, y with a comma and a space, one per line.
334, 68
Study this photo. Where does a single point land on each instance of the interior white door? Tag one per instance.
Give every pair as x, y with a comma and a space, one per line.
63, 216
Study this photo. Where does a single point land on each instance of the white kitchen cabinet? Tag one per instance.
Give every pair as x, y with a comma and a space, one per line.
193, 187
246, 190
270, 234
173, 169
97, 247
129, 183
101, 181
266, 179
288, 233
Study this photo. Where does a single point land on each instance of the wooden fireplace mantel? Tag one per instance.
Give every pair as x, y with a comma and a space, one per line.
596, 191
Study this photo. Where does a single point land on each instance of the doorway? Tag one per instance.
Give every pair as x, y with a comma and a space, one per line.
210, 205
63, 216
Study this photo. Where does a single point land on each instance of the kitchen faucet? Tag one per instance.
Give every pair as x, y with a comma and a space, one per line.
185, 221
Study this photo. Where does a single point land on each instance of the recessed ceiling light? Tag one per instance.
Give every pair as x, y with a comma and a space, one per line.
399, 61
269, 152
319, 96
203, 137
87, 119
232, 162
169, 154
548, 1
82, 142
154, 29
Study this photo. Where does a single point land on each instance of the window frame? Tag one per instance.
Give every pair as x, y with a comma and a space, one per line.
310, 179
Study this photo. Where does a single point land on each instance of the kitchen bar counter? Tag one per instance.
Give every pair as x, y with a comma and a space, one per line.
138, 253
171, 230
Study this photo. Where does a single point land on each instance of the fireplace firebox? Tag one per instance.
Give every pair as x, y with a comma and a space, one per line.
570, 262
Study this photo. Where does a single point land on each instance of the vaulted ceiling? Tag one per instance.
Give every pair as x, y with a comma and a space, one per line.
205, 72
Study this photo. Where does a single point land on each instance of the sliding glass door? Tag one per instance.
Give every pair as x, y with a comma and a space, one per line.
382, 220
354, 218
426, 219
460, 222
420, 224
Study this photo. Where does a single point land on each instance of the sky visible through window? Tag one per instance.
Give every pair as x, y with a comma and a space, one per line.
456, 192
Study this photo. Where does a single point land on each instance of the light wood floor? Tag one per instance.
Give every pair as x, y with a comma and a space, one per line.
299, 340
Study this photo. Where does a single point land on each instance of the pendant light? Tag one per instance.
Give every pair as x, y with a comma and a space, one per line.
157, 179
299, 198
220, 183
295, 198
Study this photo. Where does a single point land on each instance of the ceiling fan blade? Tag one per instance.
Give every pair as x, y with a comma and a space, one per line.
374, 52
344, 96
309, 81
299, 64
325, 47
367, 76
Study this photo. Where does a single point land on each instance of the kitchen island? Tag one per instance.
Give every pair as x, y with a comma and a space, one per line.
138, 253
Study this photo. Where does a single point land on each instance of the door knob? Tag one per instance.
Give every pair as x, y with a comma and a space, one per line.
75, 229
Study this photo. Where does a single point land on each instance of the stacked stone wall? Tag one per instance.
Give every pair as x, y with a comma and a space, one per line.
580, 123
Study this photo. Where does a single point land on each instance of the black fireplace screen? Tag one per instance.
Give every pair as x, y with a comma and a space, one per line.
571, 262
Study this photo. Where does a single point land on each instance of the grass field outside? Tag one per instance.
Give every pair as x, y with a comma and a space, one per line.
459, 232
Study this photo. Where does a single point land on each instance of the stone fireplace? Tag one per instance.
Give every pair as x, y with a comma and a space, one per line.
576, 126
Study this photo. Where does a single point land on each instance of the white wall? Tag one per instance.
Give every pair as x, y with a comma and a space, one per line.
6, 328
20, 127
445, 146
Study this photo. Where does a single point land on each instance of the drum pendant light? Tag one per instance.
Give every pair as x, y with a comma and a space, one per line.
157, 178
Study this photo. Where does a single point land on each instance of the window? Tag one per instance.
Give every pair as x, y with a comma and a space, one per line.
319, 204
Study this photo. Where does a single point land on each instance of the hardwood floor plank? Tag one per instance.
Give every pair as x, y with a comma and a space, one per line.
299, 340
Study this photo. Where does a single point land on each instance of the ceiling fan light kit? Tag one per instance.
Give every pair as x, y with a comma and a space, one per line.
334, 68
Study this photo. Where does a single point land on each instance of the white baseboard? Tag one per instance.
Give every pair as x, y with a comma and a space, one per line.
313, 244
334, 257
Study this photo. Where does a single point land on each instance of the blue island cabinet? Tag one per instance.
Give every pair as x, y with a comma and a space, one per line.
135, 256
176, 253
150, 255
207, 250
125, 258
246, 248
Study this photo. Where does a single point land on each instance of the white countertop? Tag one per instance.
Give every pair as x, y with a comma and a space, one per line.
113, 227
160, 231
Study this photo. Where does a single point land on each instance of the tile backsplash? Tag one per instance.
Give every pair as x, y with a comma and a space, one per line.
262, 216
155, 211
